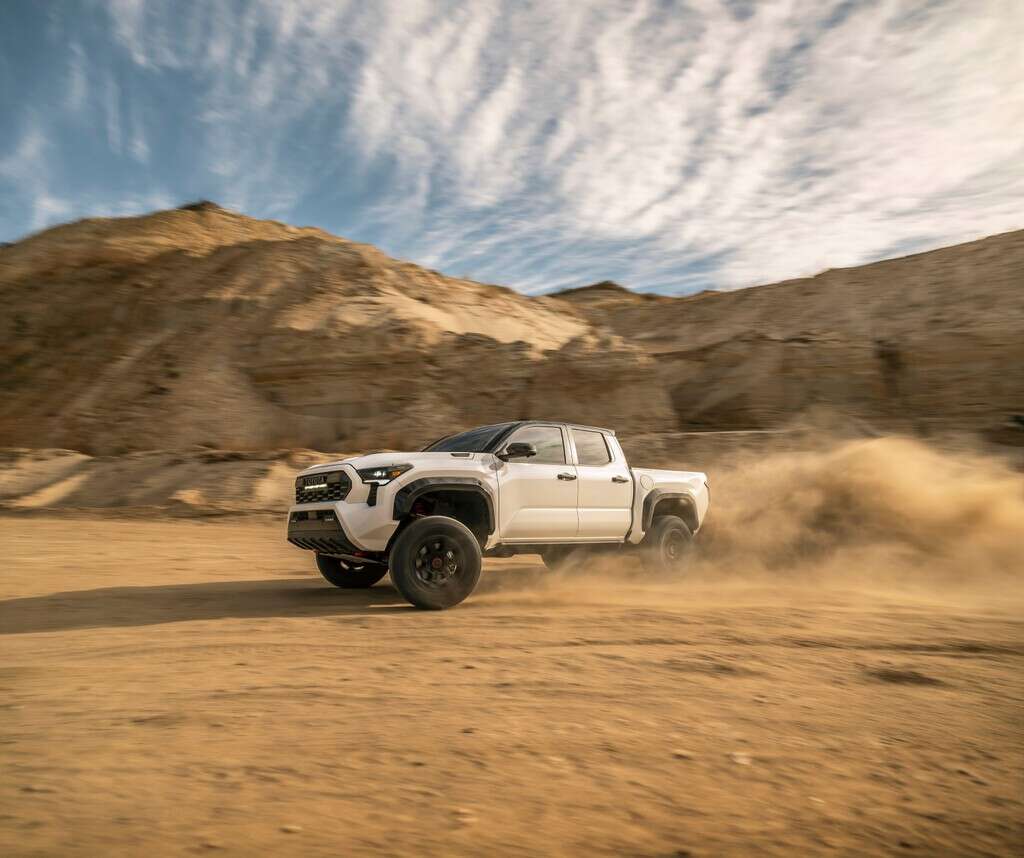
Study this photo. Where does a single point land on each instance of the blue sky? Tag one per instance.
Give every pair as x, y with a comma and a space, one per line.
671, 147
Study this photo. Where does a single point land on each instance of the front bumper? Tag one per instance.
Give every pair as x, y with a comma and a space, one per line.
363, 526
319, 530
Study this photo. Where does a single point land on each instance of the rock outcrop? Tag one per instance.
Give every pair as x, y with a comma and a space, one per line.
202, 326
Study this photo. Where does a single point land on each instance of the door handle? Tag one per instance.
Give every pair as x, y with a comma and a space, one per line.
567, 476
617, 479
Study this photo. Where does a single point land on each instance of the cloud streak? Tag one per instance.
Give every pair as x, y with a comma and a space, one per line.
670, 146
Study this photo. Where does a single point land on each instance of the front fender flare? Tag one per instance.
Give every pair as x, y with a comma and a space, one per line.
407, 495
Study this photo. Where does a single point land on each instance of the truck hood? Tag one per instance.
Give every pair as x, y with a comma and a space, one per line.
377, 460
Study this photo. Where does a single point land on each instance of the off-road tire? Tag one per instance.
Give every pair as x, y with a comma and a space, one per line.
348, 576
667, 545
435, 562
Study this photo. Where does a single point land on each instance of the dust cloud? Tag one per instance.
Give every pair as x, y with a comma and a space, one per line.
877, 508
881, 514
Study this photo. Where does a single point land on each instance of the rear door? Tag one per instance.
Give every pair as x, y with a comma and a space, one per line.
606, 486
538, 495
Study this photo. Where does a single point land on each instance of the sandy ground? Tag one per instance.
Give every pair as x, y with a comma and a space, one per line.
172, 687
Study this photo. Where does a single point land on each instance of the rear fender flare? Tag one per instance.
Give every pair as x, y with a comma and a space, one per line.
652, 499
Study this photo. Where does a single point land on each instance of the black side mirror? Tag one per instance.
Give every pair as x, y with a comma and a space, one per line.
518, 450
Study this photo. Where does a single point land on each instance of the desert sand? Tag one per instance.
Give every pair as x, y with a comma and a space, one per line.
188, 686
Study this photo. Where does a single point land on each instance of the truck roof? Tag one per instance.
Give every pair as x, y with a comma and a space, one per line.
495, 432
568, 423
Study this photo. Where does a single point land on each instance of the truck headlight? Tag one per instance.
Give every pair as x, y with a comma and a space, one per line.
383, 475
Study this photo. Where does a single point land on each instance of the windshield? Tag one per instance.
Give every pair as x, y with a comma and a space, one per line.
471, 441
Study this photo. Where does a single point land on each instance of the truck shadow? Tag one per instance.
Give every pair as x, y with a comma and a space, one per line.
111, 607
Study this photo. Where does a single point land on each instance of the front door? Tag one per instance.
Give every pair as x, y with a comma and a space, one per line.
538, 495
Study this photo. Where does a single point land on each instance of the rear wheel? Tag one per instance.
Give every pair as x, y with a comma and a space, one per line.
667, 545
435, 562
349, 576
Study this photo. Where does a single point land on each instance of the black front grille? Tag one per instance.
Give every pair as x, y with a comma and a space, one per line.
317, 488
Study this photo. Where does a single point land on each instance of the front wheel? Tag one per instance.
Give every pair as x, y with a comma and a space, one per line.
667, 545
435, 562
347, 576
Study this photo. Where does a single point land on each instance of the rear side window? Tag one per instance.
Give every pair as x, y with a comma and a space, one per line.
547, 440
591, 448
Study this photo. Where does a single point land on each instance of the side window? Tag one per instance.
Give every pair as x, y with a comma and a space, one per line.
591, 448
547, 440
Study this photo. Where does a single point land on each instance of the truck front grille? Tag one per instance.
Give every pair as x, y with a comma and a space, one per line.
317, 488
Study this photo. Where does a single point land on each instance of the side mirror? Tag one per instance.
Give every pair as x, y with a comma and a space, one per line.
518, 450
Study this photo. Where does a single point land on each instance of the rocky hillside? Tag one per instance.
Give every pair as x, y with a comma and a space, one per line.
930, 341
200, 326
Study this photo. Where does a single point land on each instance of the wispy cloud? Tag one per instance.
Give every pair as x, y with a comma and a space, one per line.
671, 146
112, 108
25, 169
78, 80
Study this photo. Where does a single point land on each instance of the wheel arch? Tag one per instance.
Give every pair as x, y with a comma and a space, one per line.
662, 502
468, 498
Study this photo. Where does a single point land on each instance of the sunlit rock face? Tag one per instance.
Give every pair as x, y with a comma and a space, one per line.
200, 326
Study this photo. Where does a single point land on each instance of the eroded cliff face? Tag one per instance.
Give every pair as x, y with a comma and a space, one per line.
930, 341
207, 327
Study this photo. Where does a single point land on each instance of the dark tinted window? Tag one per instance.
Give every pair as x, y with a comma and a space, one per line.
547, 440
471, 441
591, 448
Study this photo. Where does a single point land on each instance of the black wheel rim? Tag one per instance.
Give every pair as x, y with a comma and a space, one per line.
437, 561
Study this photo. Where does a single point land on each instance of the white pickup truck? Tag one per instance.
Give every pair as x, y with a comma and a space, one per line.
525, 487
